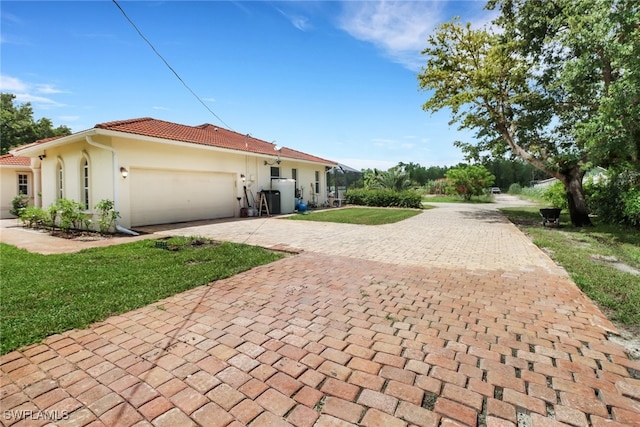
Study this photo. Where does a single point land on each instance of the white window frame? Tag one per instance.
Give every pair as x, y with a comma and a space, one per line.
60, 180
85, 176
25, 184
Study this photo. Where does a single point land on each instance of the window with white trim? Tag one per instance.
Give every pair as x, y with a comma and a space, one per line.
23, 184
60, 180
317, 185
85, 183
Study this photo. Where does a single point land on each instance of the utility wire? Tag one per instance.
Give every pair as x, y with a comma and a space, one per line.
169, 66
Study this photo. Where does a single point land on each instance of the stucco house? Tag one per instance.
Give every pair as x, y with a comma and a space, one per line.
160, 172
16, 177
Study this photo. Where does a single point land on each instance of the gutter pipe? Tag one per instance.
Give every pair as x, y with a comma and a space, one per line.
118, 227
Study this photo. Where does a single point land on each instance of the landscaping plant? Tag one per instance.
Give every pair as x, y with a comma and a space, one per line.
18, 204
107, 215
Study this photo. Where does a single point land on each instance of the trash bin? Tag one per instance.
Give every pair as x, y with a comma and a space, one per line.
273, 201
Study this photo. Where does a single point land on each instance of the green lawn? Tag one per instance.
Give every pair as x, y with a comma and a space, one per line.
587, 254
365, 216
47, 294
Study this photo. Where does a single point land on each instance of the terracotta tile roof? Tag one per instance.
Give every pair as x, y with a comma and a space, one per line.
205, 134
11, 160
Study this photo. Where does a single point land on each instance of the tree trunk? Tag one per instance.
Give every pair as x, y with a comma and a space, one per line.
575, 196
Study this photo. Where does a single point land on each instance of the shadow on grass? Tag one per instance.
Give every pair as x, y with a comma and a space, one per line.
605, 233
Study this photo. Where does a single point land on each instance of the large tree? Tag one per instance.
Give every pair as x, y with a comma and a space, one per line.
470, 180
544, 85
17, 126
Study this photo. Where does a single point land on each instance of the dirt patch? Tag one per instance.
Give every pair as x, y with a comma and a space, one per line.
83, 236
615, 263
630, 340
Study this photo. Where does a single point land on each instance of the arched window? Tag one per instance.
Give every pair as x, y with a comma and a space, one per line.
84, 187
60, 180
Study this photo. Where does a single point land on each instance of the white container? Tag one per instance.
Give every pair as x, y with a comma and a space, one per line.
287, 188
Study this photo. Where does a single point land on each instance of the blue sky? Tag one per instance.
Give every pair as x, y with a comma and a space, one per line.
336, 79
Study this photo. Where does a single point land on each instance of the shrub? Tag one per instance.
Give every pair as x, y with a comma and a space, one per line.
556, 195
34, 217
384, 198
436, 186
616, 199
469, 180
68, 214
107, 215
18, 204
515, 188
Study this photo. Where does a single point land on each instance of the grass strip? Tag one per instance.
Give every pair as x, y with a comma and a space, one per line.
363, 216
48, 294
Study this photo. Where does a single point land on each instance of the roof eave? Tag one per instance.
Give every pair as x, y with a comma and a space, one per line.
34, 150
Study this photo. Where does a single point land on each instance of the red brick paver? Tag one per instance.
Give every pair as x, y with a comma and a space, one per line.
343, 338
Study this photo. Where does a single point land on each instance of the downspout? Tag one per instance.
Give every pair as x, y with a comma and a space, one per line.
115, 182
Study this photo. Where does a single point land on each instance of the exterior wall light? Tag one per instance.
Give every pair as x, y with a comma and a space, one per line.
124, 172
244, 178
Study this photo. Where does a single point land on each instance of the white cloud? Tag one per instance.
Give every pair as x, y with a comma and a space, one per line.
160, 108
40, 101
11, 84
399, 28
300, 22
29, 92
48, 89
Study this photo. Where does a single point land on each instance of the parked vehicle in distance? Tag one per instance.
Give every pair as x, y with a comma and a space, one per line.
494, 190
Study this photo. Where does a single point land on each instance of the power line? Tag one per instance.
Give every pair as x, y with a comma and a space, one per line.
169, 66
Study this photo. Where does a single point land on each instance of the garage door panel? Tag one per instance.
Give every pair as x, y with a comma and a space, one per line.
161, 196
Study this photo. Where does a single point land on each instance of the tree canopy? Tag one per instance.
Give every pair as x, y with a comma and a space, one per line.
396, 179
469, 180
18, 127
553, 83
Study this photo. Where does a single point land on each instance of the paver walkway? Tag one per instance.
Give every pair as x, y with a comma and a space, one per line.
449, 318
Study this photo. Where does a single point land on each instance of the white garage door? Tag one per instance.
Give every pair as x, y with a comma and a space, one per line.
164, 196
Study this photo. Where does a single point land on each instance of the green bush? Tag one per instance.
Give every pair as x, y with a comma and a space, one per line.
384, 198
34, 217
107, 215
556, 195
632, 206
436, 186
515, 188
18, 204
469, 180
616, 199
67, 214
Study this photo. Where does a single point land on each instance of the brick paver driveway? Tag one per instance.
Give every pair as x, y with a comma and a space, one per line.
449, 318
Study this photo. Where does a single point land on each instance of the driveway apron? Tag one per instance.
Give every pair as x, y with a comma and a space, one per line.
450, 318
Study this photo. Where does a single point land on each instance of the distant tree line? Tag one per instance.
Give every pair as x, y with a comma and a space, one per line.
406, 175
